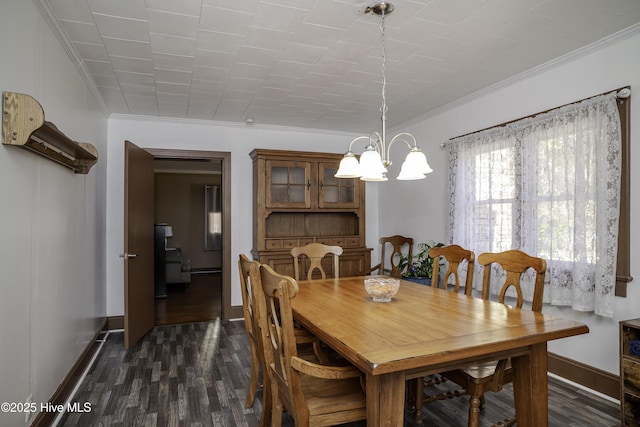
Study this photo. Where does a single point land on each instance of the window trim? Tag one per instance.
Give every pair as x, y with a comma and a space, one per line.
623, 268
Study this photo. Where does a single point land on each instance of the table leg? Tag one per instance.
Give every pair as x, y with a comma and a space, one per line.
385, 400
530, 387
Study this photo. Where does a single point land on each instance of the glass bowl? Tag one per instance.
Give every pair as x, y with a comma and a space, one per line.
381, 289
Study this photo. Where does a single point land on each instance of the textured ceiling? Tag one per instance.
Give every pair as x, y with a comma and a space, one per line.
315, 63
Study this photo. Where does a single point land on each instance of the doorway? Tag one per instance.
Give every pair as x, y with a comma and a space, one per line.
200, 290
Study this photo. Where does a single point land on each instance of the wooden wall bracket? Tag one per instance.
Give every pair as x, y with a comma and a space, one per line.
23, 125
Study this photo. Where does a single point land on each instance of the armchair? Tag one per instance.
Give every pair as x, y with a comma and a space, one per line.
177, 268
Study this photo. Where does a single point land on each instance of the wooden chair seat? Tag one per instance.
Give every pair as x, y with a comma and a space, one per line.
480, 372
341, 393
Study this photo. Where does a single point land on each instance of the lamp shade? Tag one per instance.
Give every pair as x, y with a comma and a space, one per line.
168, 231
371, 166
415, 166
349, 167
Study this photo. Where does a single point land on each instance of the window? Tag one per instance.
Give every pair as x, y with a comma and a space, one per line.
550, 186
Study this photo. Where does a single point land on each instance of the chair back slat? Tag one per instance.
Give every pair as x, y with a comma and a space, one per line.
396, 244
455, 255
514, 263
315, 252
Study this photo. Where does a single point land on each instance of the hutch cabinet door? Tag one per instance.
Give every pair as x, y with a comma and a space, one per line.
336, 192
355, 263
288, 184
280, 262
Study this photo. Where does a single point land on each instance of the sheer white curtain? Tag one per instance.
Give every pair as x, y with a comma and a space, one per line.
550, 186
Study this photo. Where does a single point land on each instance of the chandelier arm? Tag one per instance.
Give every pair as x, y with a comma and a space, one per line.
357, 139
377, 143
401, 134
399, 137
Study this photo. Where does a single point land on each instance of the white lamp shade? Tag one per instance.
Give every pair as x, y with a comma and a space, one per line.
168, 231
415, 166
349, 167
407, 173
421, 160
371, 166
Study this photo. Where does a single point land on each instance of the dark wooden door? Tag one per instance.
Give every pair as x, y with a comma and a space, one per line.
139, 315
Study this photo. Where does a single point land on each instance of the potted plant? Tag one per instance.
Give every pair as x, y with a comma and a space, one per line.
421, 268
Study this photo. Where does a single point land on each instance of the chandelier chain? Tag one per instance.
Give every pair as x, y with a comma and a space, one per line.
383, 107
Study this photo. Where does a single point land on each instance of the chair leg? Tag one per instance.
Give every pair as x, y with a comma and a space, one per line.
267, 404
253, 382
276, 408
419, 388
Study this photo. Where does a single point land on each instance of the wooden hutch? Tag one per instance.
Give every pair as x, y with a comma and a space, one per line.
297, 201
630, 373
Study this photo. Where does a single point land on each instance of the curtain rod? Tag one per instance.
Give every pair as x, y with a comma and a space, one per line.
622, 93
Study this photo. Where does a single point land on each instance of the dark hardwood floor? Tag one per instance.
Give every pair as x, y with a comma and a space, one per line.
199, 301
196, 374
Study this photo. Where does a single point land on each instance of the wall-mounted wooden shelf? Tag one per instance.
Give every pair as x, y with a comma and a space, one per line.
23, 125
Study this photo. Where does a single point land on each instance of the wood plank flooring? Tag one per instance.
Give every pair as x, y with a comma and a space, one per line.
196, 375
200, 301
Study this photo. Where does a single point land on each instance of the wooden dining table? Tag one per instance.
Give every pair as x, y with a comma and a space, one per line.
425, 330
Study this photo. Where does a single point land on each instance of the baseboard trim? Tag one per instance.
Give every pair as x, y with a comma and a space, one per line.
596, 379
68, 384
115, 323
235, 312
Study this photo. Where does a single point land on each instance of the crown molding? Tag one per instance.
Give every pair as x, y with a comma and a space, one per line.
571, 56
47, 14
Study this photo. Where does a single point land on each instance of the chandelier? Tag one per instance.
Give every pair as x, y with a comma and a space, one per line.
375, 158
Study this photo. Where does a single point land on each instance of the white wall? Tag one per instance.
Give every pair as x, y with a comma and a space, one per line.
53, 222
239, 140
609, 66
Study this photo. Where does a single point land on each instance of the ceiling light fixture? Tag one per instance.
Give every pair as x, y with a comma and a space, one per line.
375, 158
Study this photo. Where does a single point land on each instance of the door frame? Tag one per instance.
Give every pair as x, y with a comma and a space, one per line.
225, 157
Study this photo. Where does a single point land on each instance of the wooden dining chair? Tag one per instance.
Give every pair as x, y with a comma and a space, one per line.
313, 394
250, 289
315, 252
454, 256
250, 277
396, 243
492, 376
